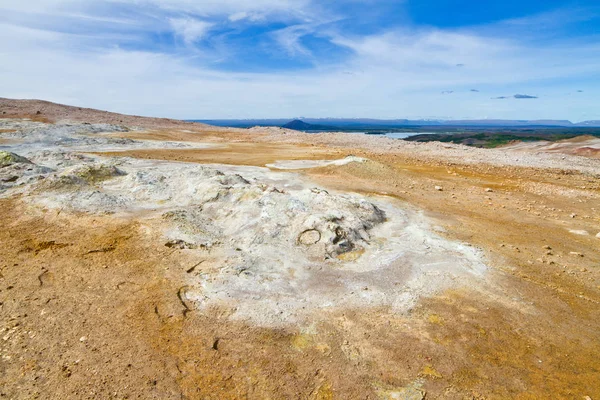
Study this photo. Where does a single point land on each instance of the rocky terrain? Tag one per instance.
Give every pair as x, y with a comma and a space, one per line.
146, 258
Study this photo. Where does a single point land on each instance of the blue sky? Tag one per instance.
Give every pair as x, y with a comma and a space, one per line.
526, 59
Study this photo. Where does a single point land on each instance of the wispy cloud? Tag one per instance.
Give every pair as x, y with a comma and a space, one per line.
289, 39
516, 96
306, 60
190, 29
244, 15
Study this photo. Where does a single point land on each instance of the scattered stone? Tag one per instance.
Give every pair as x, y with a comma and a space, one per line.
576, 254
66, 371
489, 190
83, 339
10, 179
7, 158
439, 188
180, 244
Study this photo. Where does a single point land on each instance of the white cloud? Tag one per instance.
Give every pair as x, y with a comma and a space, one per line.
431, 58
189, 29
244, 15
238, 16
290, 39
229, 7
392, 74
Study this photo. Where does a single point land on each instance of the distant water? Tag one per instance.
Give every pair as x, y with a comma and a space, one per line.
391, 135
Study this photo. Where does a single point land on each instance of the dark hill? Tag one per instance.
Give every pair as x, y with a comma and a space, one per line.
299, 125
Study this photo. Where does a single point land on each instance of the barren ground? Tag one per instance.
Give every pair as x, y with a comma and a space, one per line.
93, 305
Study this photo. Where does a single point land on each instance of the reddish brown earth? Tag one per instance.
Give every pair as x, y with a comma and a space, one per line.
90, 305
45, 111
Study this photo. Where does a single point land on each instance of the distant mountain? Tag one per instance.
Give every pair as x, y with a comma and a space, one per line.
503, 122
366, 122
589, 123
316, 124
299, 125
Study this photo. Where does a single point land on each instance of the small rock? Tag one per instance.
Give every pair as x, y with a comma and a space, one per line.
180, 244
489, 190
573, 215
439, 188
83, 339
598, 235
576, 254
10, 179
546, 247
7, 158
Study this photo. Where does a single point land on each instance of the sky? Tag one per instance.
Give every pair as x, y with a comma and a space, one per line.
222, 59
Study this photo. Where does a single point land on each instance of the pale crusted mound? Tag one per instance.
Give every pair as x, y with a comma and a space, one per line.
285, 250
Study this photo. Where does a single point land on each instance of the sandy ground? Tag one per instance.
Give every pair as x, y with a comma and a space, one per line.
94, 305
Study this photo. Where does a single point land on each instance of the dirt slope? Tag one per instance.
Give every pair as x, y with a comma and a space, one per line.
53, 112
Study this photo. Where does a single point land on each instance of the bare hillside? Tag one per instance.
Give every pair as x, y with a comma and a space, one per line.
52, 112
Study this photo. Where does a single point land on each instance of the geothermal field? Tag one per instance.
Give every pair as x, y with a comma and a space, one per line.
153, 258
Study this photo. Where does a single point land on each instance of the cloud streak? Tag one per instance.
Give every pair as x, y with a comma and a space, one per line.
516, 96
524, 96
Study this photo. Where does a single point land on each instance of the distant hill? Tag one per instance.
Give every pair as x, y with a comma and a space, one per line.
299, 125
589, 123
